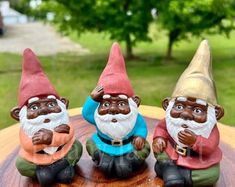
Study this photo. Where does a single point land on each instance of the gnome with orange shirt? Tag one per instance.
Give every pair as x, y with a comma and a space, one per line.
119, 146
49, 150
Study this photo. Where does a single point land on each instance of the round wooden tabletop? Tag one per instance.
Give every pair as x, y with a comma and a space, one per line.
88, 175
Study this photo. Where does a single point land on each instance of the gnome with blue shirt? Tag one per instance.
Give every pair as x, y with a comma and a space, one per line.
119, 146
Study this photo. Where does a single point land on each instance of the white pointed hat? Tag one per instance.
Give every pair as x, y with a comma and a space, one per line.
197, 79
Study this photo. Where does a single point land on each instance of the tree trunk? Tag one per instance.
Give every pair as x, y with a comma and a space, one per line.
169, 48
172, 37
129, 52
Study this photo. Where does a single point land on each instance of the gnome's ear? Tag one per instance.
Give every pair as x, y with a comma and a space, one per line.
165, 103
137, 100
65, 101
15, 113
219, 112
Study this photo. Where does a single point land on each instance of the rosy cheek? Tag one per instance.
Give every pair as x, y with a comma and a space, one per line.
125, 110
200, 119
174, 113
102, 111
205, 119
31, 115
57, 110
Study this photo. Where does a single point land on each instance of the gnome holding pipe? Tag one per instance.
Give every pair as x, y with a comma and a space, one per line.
186, 142
49, 150
119, 146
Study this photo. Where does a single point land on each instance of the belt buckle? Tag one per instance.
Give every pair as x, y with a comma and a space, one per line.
180, 150
116, 142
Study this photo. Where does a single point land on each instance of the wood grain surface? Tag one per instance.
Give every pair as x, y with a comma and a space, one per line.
88, 175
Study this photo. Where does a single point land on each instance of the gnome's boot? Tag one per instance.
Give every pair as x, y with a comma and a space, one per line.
103, 161
171, 175
122, 167
186, 174
66, 175
133, 160
96, 157
47, 174
158, 169
44, 175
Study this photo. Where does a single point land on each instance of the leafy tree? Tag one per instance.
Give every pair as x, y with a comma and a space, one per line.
125, 20
20, 5
193, 17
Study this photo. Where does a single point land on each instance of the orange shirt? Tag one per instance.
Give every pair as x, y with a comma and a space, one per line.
29, 151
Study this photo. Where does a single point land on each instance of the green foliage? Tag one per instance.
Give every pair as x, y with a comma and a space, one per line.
129, 20
125, 20
181, 18
21, 6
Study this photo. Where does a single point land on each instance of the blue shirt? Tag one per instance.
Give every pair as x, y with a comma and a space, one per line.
140, 129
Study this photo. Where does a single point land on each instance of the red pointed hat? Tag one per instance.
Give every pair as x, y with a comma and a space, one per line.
34, 82
114, 78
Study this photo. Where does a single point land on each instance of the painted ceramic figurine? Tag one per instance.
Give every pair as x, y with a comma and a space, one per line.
119, 146
186, 142
49, 150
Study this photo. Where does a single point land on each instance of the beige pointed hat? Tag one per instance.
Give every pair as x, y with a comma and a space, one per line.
197, 80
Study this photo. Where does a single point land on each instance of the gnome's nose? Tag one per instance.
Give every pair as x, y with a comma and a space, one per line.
113, 109
43, 111
186, 115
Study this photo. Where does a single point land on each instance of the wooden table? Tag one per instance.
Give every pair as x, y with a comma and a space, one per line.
88, 175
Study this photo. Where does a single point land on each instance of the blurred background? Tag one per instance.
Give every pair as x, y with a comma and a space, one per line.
72, 39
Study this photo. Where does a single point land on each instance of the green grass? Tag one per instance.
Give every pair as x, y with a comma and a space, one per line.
153, 78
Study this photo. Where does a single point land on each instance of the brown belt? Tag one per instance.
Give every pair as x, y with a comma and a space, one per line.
187, 151
116, 142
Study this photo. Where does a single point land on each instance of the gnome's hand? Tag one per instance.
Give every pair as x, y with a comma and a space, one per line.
62, 129
159, 145
43, 136
138, 142
97, 93
187, 137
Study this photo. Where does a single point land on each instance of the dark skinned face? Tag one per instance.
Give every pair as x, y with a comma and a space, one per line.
114, 105
189, 110
42, 107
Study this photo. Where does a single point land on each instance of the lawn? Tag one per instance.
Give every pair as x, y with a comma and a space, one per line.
153, 77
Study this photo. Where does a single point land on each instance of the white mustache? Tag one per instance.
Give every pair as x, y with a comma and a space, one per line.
40, 119
109, 117
192, 125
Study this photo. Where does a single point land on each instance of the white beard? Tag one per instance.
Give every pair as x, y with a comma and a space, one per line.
123, 126
174, 124
31, 126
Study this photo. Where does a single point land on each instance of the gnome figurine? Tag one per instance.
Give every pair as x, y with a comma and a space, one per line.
119, 146
49, 150
186, 142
